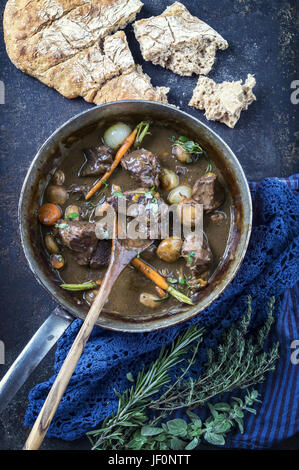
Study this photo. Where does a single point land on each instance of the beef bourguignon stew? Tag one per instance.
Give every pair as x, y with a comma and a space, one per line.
149, 165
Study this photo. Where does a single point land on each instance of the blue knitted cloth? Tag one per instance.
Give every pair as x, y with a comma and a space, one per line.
270, 268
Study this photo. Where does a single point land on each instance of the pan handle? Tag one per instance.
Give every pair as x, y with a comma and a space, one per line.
37, 348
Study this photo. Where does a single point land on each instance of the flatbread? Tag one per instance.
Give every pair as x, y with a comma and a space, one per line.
179, 41
69, 45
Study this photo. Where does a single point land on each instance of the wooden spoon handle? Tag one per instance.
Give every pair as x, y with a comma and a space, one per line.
50, 406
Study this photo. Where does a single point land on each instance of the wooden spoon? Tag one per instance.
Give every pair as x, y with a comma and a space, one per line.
122, 253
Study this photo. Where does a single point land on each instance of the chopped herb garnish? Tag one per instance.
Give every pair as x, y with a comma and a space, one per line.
104, 183
90, 205
138, 254
172, 280
162, 299
191, 257
73, 215
142, 131
61, 225
209, 168
183, 281
118, 194
189, 145
60, 258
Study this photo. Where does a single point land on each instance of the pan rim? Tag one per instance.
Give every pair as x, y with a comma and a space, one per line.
158, 323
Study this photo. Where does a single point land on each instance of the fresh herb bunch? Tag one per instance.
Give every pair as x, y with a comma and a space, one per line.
239, 363
178, 434
132, 405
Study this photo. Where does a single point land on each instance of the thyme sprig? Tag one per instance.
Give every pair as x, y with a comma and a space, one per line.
239, 362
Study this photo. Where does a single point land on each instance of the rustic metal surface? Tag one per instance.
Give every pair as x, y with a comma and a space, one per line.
262, 38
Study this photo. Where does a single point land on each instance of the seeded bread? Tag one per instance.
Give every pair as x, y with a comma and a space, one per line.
223, 101
179, 41
67, 44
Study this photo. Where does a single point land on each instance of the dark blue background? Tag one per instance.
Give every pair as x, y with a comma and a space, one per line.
262, 39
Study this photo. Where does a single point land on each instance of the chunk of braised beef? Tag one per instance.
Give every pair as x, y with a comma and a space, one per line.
197, 254
148, 205
208, 191
98, 161
101, 256
78, 236
143, 166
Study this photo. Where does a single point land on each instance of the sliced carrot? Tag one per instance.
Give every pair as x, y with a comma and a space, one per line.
161, 293
149, 272
159, 280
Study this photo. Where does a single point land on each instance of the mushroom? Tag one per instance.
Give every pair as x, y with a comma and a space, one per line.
169, 250
56, 194
57, 261
51, 244
149, 300
58, 177
49, 213
72, 212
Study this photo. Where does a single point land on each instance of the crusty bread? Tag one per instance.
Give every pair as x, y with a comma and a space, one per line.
223, 101
67, 45
133, 85
179, 41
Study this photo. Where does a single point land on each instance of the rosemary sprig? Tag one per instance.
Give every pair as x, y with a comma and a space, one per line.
134, 401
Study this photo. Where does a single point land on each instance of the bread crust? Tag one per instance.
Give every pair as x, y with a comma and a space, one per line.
179, 41
69, 45
223, 101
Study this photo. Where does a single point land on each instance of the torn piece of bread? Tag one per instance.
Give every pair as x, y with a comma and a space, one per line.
133, 85
84, 73
223, 101
179, 41
40, 34
67, 45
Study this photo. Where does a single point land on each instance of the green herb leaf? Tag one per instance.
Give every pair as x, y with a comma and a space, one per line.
162, 299
73, 215
177, 444
191, 257
177, 427
193, 444
61, 225
215, 439
130, 377
172, 280
150, 431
